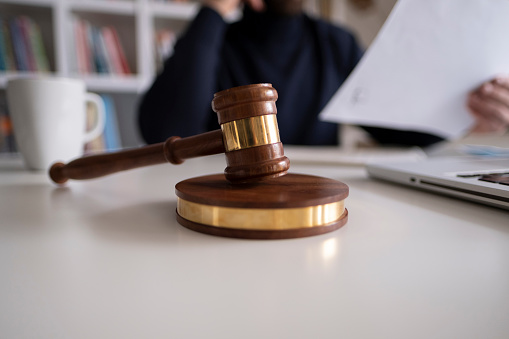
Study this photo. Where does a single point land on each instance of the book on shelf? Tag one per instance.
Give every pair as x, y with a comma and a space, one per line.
99, 49
109, 140
21, 45
102, 63
82, 50
3, 51
164, 42
115, 50
7, 142
38, 49
24, 29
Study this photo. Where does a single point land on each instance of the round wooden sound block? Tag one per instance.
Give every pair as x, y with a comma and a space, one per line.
291, 206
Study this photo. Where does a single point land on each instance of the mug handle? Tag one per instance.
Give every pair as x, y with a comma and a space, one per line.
101, 116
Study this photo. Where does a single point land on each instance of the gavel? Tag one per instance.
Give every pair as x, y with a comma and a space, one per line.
249, 137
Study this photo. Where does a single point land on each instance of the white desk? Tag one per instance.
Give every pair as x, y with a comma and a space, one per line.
106, 259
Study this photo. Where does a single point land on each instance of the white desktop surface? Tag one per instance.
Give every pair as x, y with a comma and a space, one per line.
105, 258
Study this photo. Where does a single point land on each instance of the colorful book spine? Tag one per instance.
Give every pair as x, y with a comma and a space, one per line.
10, 59
112, 52
101, 63
3, 50
164, 42
84, 53
89, 46
111, 129
120, 51
81, 62
25, 30
21, 46
7, 142
99, 47
37, 46
103, 50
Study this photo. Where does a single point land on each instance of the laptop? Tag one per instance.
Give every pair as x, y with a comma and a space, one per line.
480, 179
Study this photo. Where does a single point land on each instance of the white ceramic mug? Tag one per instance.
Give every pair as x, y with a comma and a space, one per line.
49, 119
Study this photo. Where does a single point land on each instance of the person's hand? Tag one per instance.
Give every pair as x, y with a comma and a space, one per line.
489, 104
226, 7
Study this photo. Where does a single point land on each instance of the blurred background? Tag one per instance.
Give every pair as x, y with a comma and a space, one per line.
117, 47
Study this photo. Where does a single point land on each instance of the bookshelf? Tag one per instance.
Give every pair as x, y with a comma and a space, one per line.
137, 23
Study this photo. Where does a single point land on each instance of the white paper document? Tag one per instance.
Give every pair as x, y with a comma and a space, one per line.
418, 71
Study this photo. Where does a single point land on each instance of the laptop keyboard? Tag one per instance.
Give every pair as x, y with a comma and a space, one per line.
497, 178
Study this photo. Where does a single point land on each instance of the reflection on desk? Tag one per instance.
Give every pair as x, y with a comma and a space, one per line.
105, 258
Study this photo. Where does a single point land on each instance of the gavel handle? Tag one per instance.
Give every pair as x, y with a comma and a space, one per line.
173, 150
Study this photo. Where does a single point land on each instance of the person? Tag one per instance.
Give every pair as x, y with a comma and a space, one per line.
489, 104
304, 58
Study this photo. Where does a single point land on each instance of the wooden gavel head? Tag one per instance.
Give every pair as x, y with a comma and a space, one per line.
249, 136
253, 149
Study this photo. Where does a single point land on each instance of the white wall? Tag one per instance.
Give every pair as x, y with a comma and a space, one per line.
365, 23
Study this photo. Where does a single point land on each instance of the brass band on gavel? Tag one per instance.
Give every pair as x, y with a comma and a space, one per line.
261, 218
250, 132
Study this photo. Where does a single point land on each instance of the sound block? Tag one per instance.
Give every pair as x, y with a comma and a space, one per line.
291, 206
